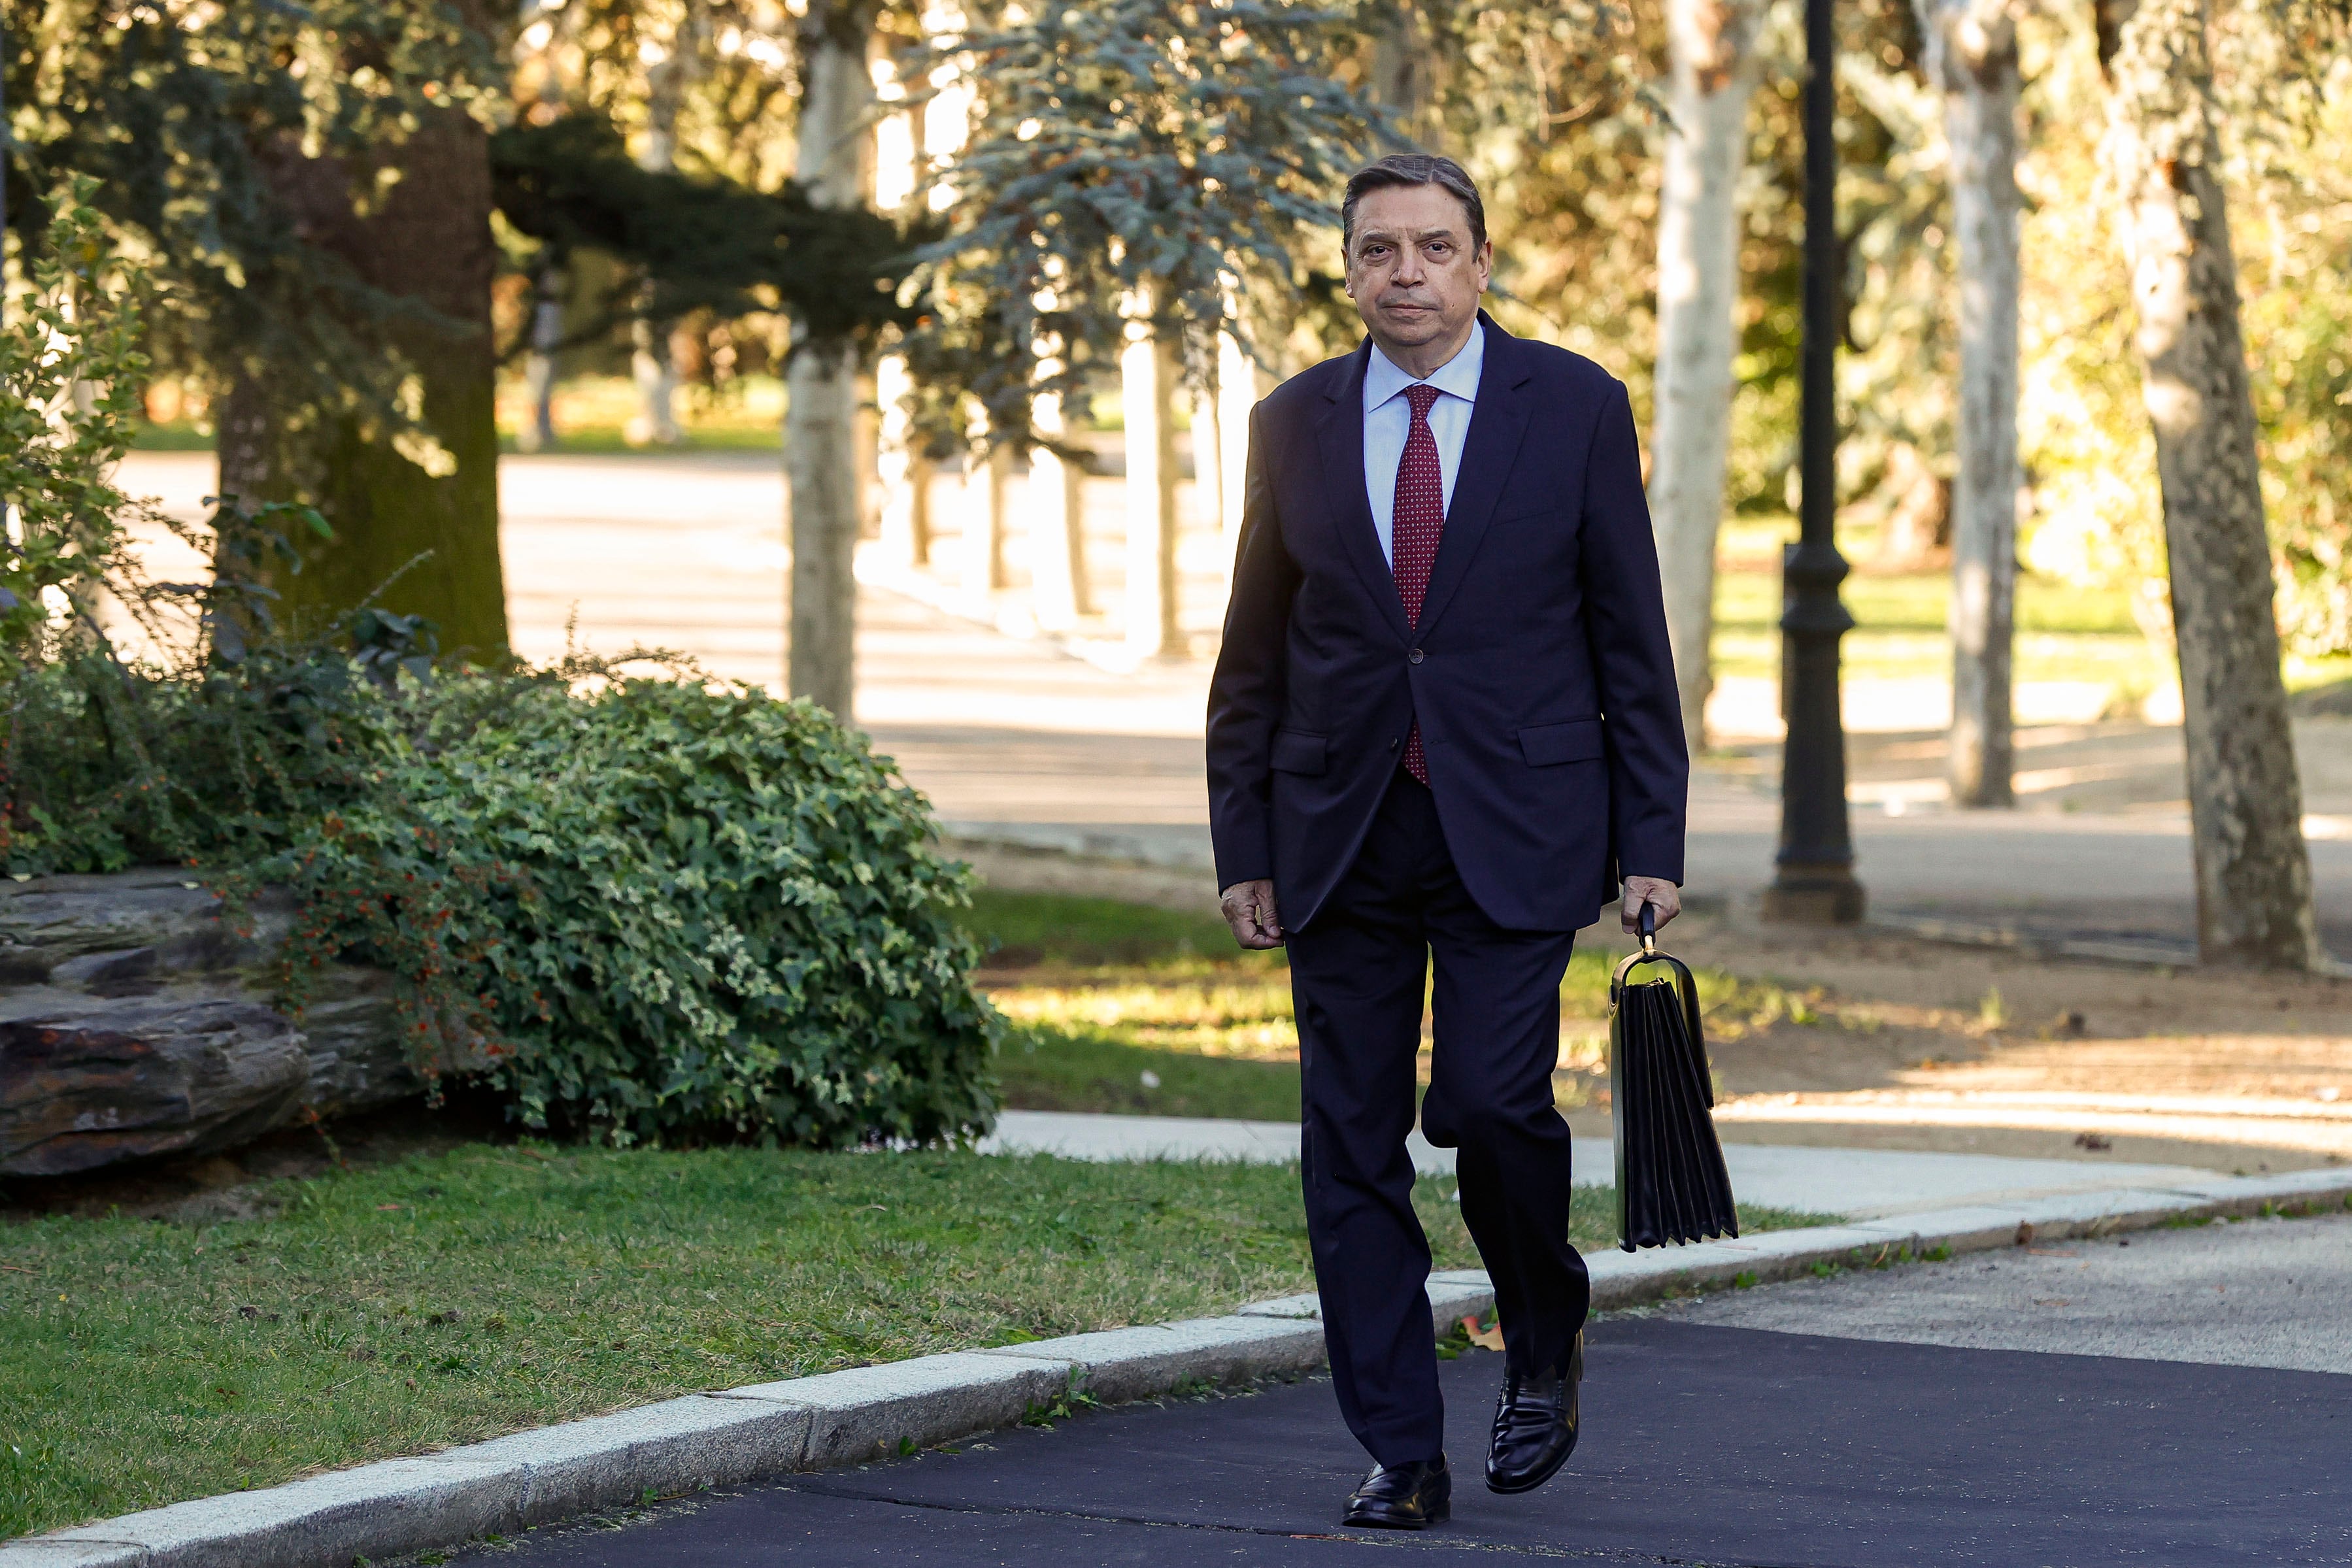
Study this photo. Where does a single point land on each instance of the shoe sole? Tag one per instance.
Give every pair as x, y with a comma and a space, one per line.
1443, 1513
1529, 1483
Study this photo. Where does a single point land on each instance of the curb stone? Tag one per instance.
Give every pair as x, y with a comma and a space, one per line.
511, 1483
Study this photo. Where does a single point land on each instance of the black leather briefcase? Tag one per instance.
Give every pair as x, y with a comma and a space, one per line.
1670, 1182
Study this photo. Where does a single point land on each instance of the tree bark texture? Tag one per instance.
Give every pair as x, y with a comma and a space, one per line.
428, 239
986, 486
1712, 46
540, 367
651, 365
1972, 58
901, 472
2163, 154
1237, 394
835, 164
1059, 592
1404, 78
1147, 394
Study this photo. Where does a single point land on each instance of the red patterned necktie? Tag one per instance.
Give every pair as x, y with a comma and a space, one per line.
1414, 524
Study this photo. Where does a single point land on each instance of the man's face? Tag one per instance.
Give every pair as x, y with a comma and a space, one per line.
1411, 269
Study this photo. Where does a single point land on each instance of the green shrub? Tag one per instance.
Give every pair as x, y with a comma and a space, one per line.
642, 909
670, 912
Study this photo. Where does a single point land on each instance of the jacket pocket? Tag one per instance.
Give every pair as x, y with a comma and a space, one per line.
1294, 752
1578, 740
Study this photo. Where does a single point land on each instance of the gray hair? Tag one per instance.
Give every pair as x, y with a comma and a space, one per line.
1412, 169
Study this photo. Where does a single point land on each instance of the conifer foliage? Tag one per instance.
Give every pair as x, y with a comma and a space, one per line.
1168, 151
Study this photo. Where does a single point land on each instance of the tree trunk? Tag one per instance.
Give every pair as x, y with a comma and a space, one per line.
821, 414
427, 238
651, 366
1237, 395
1060, 595
1714, 66
902, 473
1972, 54
1147, 392
985, 484
2163, 153
1917, 530
539, 368
1403, 77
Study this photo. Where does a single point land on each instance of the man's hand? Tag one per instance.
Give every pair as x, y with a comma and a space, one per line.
1249, 910
1654, 890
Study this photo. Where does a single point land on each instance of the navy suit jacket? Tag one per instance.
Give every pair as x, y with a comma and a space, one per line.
1539, 670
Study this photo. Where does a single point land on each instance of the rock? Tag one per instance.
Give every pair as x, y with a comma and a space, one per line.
136, 1020
80, 1089
127, 930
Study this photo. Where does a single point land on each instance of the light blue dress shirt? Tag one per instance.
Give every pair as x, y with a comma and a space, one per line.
1387, 420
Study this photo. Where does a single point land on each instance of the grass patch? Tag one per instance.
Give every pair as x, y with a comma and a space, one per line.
1104, 998
2063, 633
1129, 1008
450, 1298
447, 1299
1044, 1068
1060, 931
174, 435
611, 441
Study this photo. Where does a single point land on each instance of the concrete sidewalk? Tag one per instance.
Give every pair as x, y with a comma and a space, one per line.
1854, 1184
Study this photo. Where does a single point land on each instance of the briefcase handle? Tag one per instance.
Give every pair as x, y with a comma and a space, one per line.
1648, 920
1686, 983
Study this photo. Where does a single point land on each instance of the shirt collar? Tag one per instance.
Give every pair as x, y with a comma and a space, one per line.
1458, 377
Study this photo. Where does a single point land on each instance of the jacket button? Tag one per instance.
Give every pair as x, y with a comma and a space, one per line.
1413, 658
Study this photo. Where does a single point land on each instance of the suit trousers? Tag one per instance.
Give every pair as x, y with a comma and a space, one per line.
1358, 976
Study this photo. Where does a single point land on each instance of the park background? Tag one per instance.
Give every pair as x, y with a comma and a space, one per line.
488, 319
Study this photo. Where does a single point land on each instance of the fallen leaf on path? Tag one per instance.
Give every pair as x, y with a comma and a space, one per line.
1484, 1339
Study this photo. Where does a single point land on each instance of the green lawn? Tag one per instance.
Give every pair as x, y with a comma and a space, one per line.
609, 440
444, 1300
447, 1299
1123, 1008
2063, 633
1105, 998
178, 435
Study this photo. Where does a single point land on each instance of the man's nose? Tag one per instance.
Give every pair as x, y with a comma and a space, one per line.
1408, 268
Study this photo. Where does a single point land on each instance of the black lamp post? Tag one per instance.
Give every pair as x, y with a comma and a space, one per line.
1813, 877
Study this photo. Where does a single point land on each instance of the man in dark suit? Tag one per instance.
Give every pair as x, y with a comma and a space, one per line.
1444, 723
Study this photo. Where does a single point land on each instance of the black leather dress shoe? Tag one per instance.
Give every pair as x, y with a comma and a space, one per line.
1402, 1497
1535, 1425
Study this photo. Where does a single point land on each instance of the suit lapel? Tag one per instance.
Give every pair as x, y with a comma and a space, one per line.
1340, 438
1497, 422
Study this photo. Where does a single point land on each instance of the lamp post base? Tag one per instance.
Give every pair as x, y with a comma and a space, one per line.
1814, 896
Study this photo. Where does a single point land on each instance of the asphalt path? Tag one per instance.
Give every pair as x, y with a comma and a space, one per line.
2185, 1399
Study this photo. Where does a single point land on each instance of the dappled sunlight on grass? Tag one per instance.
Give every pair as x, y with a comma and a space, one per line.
1248, 1020
1126, 1009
